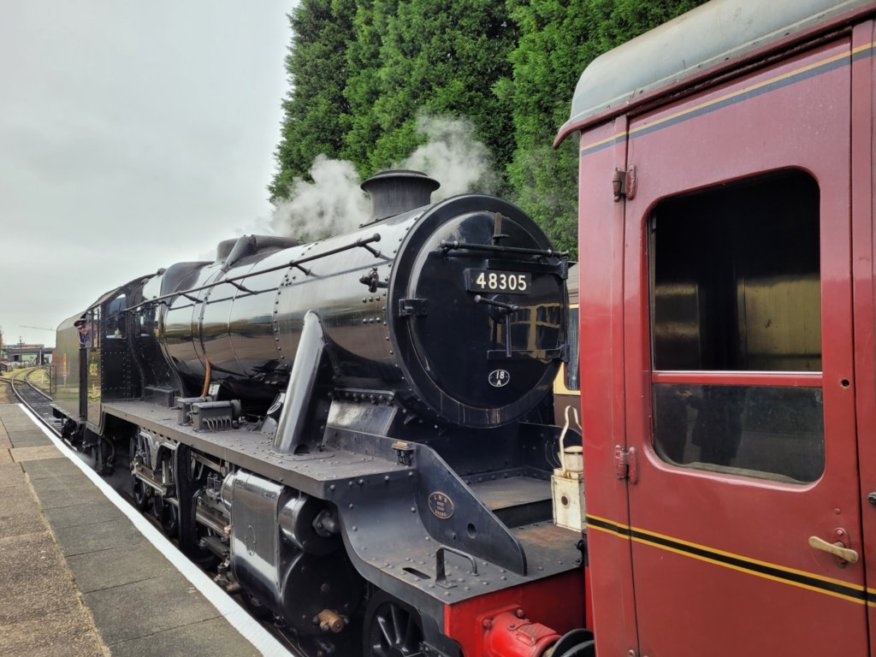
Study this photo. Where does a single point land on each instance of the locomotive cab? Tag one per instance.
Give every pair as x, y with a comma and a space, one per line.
95, 363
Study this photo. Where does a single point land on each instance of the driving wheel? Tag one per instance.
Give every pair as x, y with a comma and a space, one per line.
392, 628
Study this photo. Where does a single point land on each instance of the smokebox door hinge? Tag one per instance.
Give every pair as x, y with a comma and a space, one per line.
626, 465
623, 184
411, 306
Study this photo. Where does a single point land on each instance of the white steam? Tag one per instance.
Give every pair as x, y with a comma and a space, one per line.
330, 205
333, 203
452, 156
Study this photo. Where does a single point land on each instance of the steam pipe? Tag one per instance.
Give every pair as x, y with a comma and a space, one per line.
207, 374
363, 243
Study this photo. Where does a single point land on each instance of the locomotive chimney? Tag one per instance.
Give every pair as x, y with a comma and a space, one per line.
393, 192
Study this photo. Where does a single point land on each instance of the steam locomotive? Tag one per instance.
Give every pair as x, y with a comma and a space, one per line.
356, 430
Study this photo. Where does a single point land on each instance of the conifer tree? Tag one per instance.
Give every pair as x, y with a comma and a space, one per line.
315, 110
558, 38
438, 58
364, 86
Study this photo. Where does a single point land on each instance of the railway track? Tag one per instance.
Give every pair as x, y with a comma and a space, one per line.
30, 394
39, 403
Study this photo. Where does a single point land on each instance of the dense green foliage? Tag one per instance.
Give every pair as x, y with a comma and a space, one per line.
363, 71
557, 40
316, 113
422, 56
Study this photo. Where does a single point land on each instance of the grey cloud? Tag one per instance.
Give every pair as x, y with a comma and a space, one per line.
132, 135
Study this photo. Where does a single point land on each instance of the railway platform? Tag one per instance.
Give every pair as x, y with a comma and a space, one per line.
79, 578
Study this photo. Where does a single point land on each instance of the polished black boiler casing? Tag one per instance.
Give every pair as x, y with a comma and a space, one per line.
396, 314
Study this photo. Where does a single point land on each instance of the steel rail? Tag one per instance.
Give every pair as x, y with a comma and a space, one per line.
36, 400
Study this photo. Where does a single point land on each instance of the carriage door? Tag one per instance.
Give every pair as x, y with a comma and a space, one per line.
743, 488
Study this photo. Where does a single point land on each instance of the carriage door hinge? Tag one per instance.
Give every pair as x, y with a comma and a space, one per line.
623, 183
626, 464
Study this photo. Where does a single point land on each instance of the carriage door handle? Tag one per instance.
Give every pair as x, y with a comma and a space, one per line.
839, 548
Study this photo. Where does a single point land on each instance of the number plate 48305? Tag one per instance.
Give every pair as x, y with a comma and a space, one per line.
496, 281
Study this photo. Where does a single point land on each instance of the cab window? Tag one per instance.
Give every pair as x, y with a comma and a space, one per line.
115, 318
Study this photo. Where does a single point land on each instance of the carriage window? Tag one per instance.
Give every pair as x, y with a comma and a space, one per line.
735, 314
744, 429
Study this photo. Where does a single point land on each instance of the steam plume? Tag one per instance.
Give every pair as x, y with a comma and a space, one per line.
452, 156
333, 203
330, 205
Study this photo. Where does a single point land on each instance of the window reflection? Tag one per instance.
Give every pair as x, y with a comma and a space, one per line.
735, 287
735, 277
756, 429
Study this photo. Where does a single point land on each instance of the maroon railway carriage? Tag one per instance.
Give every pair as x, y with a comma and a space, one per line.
727, 332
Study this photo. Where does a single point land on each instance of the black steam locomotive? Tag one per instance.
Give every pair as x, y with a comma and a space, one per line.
353, 429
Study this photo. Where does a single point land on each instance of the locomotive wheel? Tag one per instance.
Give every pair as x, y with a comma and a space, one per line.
254, 606
586, 649
140, 493
167, 515
570, 640
105, 459
95, 453
392, 628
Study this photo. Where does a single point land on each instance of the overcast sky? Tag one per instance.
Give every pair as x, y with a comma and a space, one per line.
132, 135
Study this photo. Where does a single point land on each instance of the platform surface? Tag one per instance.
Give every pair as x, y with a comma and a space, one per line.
79, 579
